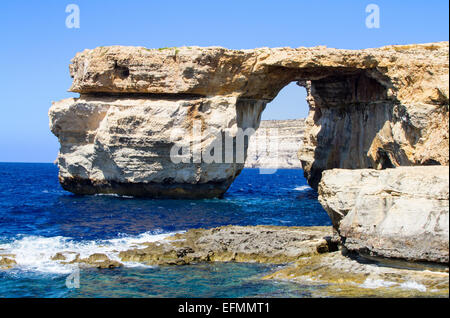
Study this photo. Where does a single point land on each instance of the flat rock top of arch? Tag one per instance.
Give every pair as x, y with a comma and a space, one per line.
258, 73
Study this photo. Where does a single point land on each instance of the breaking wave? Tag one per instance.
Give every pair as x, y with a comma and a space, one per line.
34, 253
303, 188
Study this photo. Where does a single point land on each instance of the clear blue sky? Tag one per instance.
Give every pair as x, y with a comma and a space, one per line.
37, 46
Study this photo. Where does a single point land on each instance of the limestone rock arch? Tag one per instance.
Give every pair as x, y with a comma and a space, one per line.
373, 108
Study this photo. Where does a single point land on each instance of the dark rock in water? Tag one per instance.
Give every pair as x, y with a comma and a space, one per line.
59, 257
209, 189
99, 260
7, 261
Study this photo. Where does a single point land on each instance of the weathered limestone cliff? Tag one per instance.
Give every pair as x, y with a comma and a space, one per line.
373, 108
275, 144
396, 213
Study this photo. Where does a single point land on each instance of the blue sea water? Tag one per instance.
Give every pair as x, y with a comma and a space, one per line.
37, 218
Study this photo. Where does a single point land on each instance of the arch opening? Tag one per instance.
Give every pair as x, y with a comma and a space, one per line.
279, 136
348, 112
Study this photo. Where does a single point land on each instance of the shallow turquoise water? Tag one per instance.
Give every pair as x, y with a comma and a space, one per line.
223, 280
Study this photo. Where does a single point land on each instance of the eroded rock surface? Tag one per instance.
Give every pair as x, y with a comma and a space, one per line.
262, 244
373, 108
123, 145
99, 260
7, 261
396, 213
344, 276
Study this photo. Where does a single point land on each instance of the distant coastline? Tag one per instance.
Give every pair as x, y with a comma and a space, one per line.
284, 138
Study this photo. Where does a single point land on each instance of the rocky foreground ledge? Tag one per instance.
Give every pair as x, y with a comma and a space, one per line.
306, 255
262, 244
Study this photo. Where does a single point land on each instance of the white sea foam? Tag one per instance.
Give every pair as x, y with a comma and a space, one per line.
302, 188
114, 195
413, 285
34, 253
376, 283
